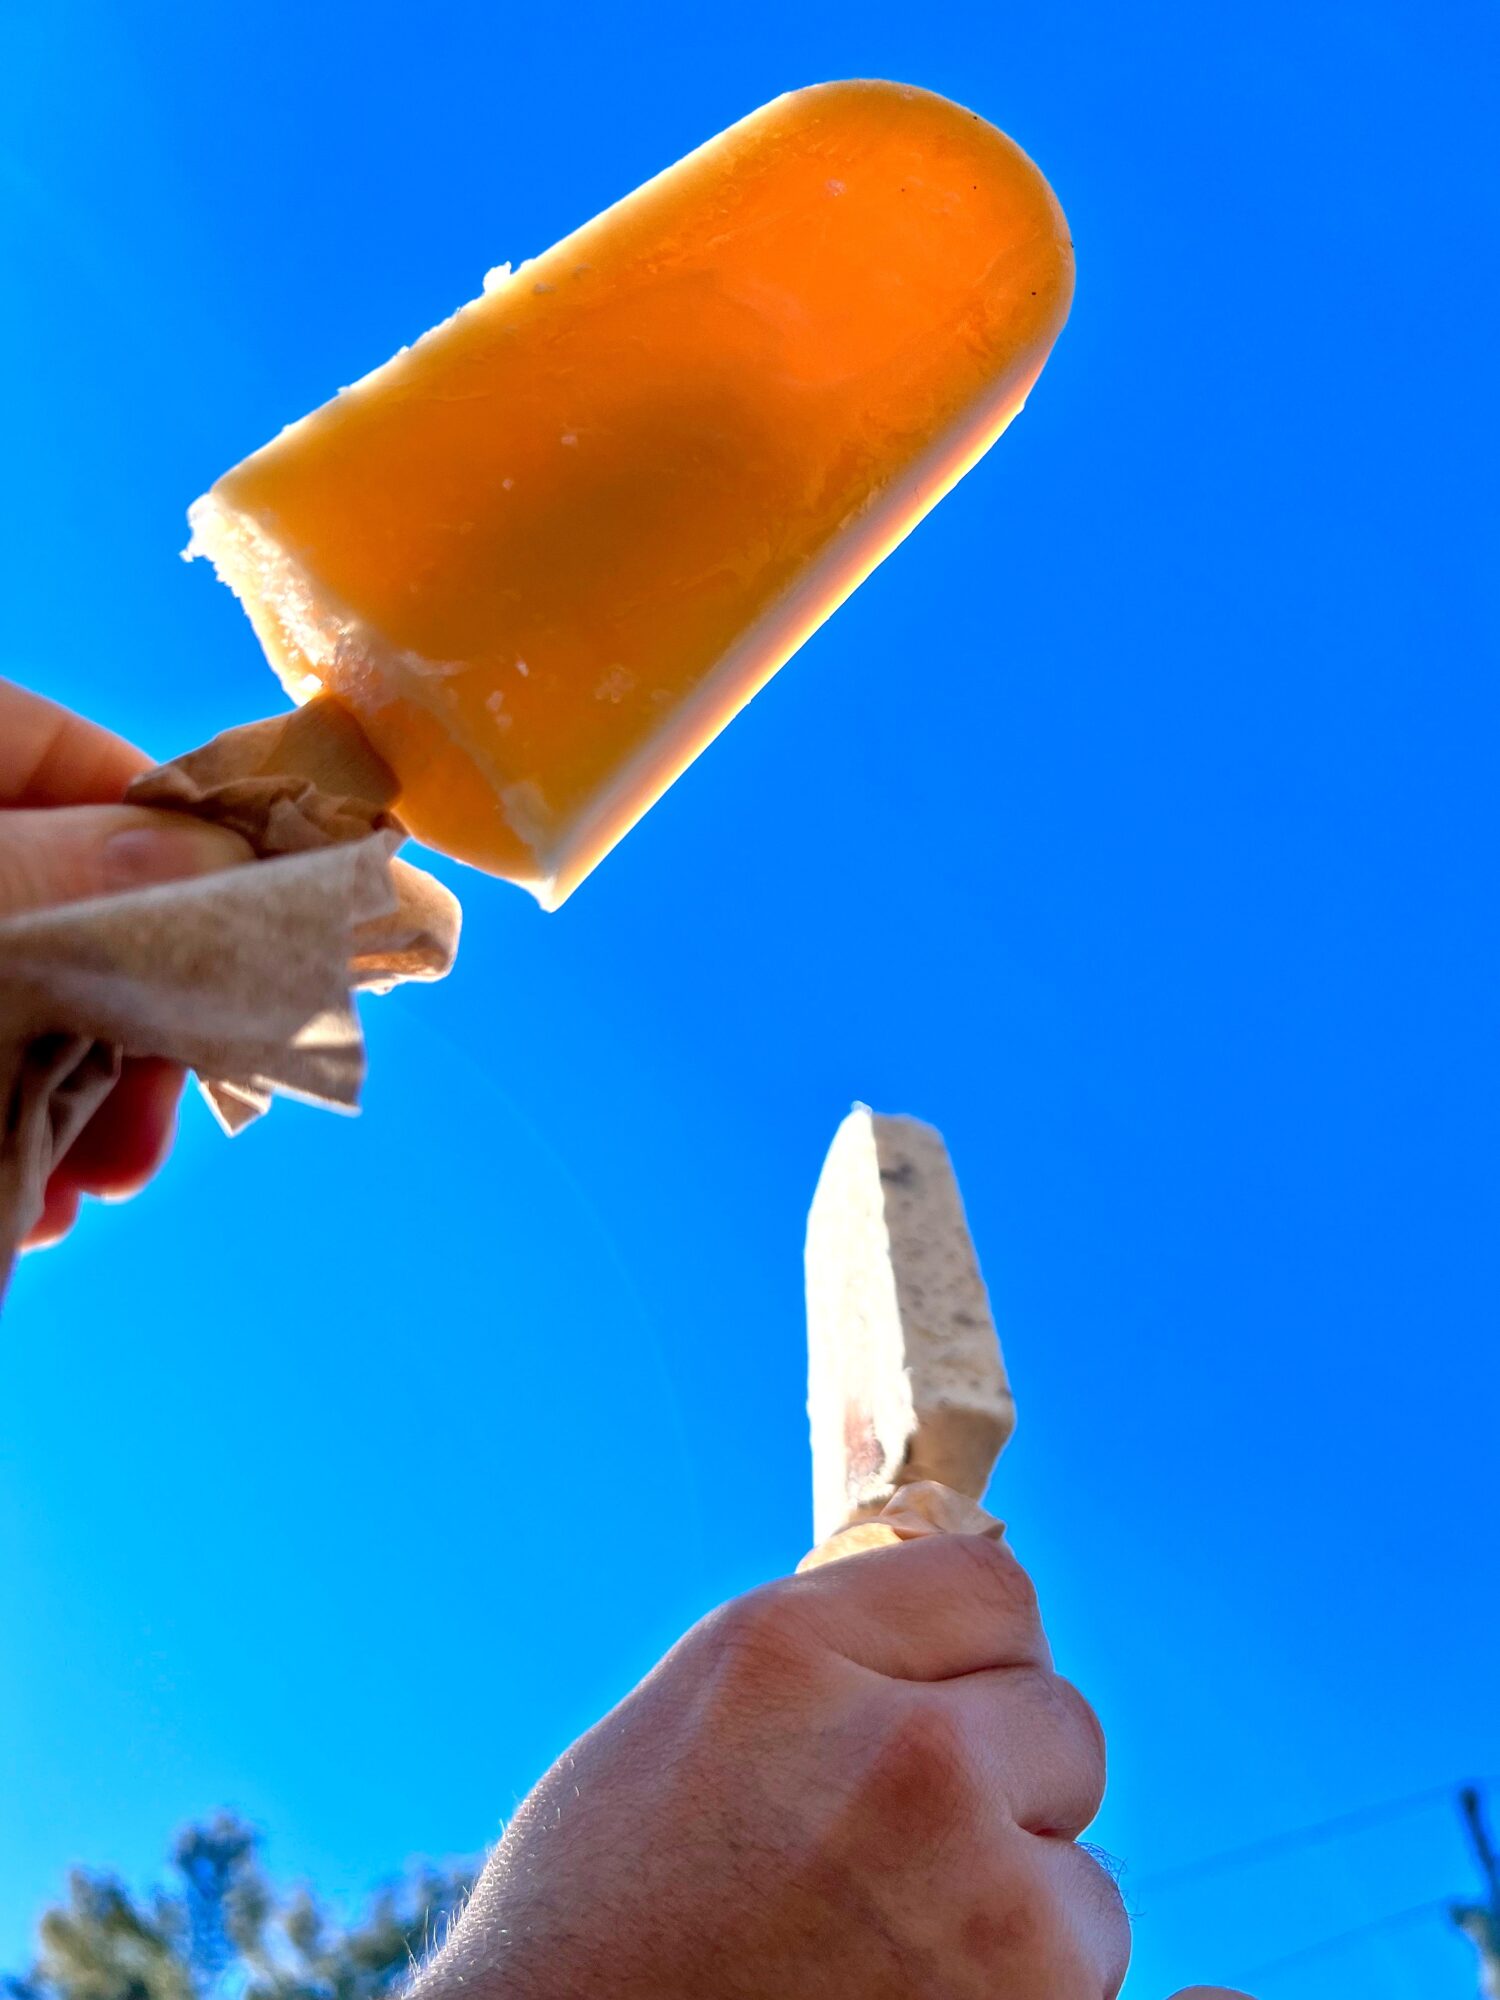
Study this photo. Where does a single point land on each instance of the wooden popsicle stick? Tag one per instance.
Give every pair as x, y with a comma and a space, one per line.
906, 1382
322, 741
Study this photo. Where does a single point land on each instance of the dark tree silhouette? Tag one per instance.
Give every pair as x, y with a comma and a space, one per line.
219, 1930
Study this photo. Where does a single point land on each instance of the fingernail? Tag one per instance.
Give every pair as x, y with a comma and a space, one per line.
145, 854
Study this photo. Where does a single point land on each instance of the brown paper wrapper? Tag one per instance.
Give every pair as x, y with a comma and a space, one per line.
923, 1508
247, 977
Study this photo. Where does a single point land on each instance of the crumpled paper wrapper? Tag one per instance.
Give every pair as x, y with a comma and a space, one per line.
923, 1508
247, 977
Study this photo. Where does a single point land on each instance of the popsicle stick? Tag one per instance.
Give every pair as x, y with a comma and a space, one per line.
322, 742
905, 1376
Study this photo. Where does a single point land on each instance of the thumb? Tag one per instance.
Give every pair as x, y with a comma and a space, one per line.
72, 852
1210, 1993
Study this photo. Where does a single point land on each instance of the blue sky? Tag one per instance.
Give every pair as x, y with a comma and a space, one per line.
1134, 823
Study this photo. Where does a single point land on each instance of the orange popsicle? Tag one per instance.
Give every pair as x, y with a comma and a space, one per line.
545, 554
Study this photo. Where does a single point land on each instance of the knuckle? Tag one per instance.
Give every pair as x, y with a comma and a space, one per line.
1100, 1881
990, 1571
1085, 1721
46, 858
22, 886
759, 1634
1055, 1721
1008, 1926
1099, 1894
1050, 1915
920, 1773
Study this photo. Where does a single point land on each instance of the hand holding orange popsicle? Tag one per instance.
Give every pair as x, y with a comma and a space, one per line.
523, 573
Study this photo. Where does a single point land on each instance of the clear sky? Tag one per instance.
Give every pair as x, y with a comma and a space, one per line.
1135, 823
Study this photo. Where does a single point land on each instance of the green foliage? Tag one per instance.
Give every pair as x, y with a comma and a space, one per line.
220, 1931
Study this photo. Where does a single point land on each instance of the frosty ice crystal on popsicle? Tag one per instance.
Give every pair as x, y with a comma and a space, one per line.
545, 554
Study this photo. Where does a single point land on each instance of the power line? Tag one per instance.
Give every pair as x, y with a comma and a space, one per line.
1296, 1837
1340, 1938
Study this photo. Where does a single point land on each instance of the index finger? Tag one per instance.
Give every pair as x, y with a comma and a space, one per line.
51, 757
926, 1610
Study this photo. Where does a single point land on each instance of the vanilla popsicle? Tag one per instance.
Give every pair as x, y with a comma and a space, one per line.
545, 554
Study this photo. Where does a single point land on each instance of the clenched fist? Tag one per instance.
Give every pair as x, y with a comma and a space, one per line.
863, 1783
